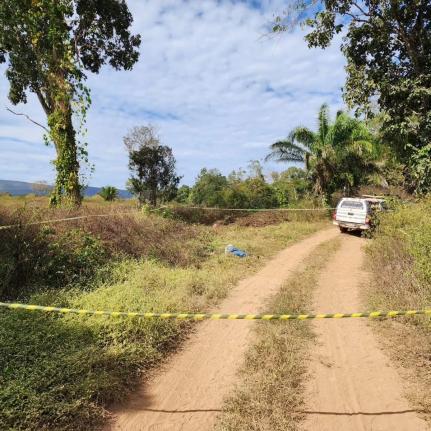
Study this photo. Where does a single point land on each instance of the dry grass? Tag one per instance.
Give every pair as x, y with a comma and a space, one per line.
270, 393
57, 254
400, 263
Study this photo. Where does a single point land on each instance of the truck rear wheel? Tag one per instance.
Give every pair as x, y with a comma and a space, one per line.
343, 229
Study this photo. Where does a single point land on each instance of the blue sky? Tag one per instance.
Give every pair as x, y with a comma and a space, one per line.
216, 86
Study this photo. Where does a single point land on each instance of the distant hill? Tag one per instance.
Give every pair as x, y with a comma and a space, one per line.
19, 188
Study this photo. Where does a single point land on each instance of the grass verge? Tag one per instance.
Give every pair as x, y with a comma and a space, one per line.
270, 393
400, 262
60, 372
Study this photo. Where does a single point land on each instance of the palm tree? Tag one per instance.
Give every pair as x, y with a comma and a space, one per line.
337, 155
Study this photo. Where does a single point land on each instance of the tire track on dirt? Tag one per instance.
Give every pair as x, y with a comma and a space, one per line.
352, 386
187, 393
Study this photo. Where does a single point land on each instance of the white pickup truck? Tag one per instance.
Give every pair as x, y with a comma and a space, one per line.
355, 213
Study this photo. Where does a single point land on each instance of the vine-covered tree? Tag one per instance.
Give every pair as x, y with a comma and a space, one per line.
388, 49
152, 166
49, 46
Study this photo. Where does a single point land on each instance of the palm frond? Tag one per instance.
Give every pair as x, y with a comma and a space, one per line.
304, 136
286, 151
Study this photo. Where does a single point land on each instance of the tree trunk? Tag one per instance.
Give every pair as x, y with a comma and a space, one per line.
153, 197
67, 190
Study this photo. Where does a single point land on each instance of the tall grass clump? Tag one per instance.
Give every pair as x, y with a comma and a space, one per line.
400, 263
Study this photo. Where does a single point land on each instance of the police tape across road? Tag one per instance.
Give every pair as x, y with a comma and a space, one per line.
211, 316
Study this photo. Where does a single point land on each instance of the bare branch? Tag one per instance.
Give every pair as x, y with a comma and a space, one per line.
43, 101
356, 18
28, 118
361, 9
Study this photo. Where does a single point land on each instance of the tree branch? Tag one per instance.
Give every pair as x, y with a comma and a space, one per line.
361, 9
28, 118
43, 101
356, 18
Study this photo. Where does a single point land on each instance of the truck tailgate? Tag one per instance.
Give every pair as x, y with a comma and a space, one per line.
351, 212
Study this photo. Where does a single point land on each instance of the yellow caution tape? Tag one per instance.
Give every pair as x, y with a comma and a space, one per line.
212, 316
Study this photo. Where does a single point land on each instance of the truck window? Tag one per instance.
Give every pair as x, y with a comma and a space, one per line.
352, 205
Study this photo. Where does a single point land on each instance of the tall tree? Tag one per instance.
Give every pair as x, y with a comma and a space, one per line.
48, 46
337, 155
387, 44
152, 166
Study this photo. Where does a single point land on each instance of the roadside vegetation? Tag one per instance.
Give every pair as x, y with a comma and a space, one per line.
270, 394
60, 372
400, 262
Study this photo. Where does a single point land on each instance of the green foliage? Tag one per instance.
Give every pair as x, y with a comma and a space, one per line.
71, 257
208, 188
109, 193
48, 46
56, 373
290, 186
31, 258
409, 227
242, 189
339, 155
387, 47
420, 172
153, 166
183, 194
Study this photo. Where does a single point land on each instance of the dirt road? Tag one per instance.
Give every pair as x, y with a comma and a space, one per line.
188, 392
352, 385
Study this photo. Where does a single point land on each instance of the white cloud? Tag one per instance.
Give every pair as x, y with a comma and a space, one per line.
219, 90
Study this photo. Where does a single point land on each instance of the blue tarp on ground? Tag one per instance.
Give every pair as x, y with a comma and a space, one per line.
235, 251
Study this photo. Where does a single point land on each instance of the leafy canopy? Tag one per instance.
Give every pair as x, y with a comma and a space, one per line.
40, 36
49, 46
387, 45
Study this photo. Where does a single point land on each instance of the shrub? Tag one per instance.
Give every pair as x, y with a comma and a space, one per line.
109, 193
32, 257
